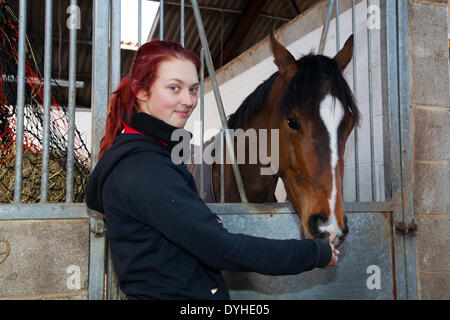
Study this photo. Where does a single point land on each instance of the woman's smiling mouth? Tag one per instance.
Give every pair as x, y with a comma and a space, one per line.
182, 114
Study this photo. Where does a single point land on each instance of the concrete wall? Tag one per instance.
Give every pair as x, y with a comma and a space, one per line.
48, 259
430, 116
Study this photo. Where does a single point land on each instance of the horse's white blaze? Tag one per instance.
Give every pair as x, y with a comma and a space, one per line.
331, 113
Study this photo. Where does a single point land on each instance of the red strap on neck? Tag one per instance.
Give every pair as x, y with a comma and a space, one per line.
128, 129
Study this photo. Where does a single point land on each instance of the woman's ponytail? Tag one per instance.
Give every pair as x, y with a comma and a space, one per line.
123, 100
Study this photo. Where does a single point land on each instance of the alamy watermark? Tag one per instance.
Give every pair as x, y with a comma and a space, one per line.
374, 280
74, 20
212, 153
373, 17
73, 282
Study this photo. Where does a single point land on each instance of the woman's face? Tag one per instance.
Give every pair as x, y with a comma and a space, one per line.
173, 95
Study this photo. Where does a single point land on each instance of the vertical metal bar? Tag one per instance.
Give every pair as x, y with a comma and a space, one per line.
47, 97
182, 24
372, 147
202, 119
161, 20
20, 101
115, 44
212, 75
355, 93
100, 54
323, 37
223, 152
338, 28
112, 284
391, 123
406, 145
71, 105
139, 23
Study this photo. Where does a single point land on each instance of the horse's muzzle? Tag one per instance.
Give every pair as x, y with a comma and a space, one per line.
320, 227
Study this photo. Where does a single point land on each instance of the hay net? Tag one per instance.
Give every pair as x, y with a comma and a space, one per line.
33, 125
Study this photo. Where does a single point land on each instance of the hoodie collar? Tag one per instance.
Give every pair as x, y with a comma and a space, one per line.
152, 127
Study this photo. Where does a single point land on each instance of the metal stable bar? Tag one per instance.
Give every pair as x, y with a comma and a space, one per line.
115, 65
182, 24
222, 166
115, 45
286, 208
161, 20
139, 23
406, 146
47, 97
212, 76
202, 119
372, 146
39, 211
323, 37
80, 211
390, 89
338, 28
355, 93
71, 108
20, 101
100, 55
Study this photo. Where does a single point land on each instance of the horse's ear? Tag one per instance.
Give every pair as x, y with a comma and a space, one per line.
344, 56
283, 59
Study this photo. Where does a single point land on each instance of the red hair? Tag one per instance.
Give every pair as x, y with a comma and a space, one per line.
141, 77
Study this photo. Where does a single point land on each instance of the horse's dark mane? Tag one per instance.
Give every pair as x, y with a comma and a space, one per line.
305, 90
252, 104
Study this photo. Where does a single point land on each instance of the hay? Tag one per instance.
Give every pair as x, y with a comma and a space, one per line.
32, 172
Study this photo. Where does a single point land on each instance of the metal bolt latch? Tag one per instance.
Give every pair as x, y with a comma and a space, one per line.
412, 228
403, 229
97, 227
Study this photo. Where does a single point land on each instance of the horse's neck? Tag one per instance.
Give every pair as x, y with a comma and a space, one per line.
259, 188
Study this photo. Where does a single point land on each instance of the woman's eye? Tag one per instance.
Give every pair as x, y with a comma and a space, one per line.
293, 123
193, 90
174, 88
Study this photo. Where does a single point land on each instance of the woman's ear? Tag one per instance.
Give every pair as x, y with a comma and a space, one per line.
142, 95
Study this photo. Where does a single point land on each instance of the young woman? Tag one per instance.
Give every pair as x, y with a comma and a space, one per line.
165, 242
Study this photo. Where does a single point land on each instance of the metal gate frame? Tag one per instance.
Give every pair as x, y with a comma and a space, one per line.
106, 76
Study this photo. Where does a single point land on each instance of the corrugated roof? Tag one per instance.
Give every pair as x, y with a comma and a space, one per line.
219, 19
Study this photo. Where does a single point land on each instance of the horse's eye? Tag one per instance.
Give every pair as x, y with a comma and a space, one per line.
293, 123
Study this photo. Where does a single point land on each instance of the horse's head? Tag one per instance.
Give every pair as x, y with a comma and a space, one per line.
315, 115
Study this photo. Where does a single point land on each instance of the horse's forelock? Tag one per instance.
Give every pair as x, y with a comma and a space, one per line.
306, 89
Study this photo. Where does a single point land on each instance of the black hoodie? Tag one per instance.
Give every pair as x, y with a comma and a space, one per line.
165, 241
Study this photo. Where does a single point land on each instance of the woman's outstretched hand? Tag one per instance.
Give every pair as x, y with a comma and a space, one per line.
334, 256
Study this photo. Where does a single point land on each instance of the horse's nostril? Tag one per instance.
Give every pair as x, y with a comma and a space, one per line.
314, 222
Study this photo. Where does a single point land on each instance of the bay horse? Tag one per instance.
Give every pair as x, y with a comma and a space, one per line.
310, 103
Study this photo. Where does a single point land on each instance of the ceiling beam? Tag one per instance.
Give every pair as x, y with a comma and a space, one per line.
251, 12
